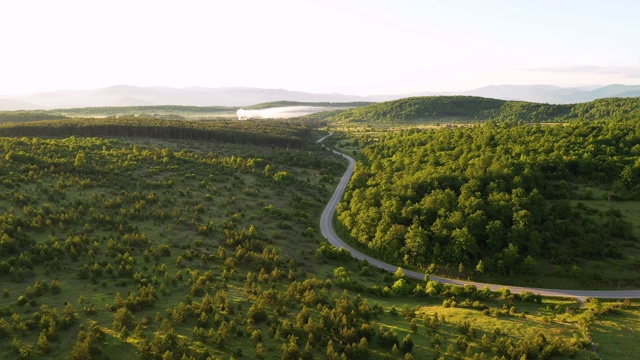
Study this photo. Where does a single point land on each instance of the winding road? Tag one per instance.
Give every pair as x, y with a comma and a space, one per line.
326, 226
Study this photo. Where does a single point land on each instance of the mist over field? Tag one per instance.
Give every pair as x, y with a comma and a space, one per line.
284, 112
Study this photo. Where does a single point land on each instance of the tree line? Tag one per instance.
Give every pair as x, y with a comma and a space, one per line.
286, 134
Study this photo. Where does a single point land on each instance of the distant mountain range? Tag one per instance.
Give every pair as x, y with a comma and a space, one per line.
122, 95
554, 94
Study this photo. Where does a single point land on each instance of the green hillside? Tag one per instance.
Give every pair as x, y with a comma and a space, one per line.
468, 109
417, 109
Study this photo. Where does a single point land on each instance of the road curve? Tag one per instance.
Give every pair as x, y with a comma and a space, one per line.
326, 227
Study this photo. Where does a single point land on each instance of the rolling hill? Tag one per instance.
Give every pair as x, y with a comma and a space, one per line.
466, 109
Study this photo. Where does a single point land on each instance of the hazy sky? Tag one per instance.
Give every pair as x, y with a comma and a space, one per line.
356, 47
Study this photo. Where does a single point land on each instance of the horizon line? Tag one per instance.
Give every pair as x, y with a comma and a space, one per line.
391, 93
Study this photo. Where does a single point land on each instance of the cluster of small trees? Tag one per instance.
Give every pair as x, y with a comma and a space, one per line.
162, 228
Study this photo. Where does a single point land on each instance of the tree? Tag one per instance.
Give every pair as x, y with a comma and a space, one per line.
529, 265
485, 343
464, 245
43, 343
4, 328
511, 257
307, 352
331, 353
399, 274
290, 350
342, 275
80, 160
395, 351
256, 336
253, 232
416, 245
70, 316
123, 321
260, 352
400, 287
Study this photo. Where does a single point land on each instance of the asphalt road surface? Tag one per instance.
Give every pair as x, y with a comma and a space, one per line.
326, 226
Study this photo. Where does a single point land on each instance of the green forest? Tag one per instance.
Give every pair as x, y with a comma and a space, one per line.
500, 199
148, 238
470, 109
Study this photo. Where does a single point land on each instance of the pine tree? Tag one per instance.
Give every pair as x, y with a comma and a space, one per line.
43, 343
407, 344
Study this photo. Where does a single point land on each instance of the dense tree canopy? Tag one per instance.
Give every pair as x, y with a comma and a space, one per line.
497, 194
420, 108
